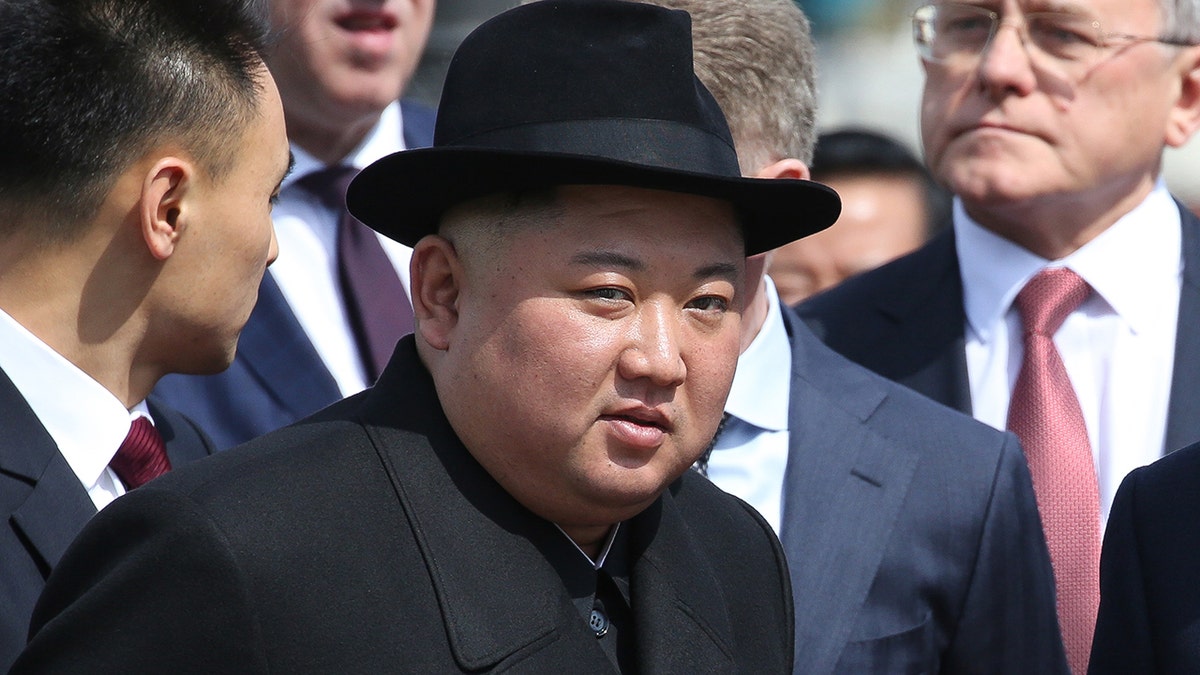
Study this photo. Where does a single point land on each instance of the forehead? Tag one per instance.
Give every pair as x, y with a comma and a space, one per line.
635, 229
607, 212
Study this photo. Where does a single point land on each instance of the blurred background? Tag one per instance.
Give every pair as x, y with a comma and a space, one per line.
868, 74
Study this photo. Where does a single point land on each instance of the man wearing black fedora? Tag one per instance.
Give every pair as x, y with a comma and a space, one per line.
513, 494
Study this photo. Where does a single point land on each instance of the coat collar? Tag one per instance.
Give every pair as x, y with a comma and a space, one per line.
841, 477
1183, 424
472, 533
56, 506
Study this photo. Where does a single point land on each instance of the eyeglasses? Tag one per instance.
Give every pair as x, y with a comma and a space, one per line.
957, 34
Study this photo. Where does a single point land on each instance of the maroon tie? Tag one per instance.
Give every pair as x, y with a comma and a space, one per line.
142, 456
1045, 415
376, 303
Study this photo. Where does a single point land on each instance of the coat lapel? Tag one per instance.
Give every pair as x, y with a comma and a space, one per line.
844, 486
56, 507
1183, 424
472, 533
682, 627
927, 351
277, 352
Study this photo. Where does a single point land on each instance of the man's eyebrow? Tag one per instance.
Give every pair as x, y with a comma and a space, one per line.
607, 259
722, 270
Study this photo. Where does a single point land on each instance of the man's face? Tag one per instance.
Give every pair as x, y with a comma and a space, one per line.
228, 242
591, 358
339, 61
1018, 127
883, 217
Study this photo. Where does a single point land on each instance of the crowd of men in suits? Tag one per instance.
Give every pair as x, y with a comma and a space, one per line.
501, 362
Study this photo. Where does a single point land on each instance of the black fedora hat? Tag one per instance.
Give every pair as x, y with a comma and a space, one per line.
580, 92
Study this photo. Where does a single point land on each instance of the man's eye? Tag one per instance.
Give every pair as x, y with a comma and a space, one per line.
608, 293
710, 303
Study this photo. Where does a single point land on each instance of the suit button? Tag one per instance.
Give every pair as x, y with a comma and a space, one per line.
599, 623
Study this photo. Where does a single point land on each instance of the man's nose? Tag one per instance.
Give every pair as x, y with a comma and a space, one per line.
653, 351
1006, 64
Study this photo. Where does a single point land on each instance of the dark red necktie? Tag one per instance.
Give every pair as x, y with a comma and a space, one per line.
1045, 415
376, 303
142, 456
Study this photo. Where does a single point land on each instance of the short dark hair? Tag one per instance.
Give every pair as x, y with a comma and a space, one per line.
858, 151
90, 85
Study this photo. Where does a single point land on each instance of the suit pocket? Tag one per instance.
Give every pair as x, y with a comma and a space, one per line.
908, 652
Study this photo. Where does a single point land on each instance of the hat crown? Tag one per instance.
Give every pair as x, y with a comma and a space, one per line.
585, 74
579, 92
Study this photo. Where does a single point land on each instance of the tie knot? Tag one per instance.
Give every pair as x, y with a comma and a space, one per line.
142, 455
330, 184
1049, 297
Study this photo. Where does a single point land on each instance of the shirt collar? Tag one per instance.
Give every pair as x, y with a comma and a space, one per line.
759, 394
385, 138
599, 561
1146, 241
85, 420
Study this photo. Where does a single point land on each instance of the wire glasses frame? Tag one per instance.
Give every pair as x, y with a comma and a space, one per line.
955, 33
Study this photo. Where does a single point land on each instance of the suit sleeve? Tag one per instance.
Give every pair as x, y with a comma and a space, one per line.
150, 586
1009, 622
1122, 643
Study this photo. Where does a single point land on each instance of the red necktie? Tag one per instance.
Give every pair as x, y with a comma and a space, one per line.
142, 456
372, 293
1045, 414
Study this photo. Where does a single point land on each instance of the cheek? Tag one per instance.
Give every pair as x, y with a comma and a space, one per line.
710, 370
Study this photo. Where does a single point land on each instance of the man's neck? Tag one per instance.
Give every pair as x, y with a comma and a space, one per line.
329, 144
755, 314
1055, 227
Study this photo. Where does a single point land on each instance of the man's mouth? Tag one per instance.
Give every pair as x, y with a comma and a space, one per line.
366, 21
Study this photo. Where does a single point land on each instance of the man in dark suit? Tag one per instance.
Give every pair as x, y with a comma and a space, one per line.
132, 240
341, 69
514, 492
1149, 598
1051, 136
907, 526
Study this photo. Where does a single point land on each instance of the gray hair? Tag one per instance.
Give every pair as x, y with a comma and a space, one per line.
1180, 19
758, 59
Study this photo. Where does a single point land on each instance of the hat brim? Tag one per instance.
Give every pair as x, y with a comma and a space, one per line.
403, 195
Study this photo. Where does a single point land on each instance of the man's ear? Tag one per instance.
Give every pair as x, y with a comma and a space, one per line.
789, 167
163, 215
1184, 118
436, 277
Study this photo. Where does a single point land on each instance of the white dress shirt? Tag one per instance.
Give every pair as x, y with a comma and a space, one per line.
750, 455
306, 269
84, 419
1118, 346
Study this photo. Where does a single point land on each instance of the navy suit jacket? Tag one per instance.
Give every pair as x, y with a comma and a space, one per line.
1149, 595
366, 539
277, 376
906, 322
44, 505
911, 531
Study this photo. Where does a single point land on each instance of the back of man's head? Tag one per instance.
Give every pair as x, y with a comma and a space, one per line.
860, 152
769, 98
90, 85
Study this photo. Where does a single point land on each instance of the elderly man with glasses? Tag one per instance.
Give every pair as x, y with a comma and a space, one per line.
1064, 302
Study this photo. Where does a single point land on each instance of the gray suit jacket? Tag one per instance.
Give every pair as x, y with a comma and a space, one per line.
367, 540
911, 531
43, 505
